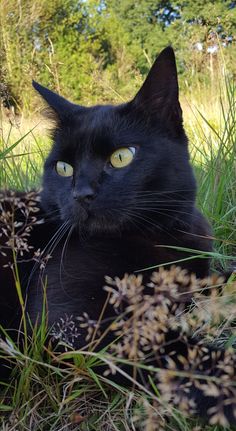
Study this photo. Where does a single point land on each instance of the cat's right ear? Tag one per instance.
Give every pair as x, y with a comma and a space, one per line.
158, 98
61, 110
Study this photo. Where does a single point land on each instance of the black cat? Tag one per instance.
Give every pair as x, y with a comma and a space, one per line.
119, 179
118, 191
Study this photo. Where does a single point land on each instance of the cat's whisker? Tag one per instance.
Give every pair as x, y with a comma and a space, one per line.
62, 267
131, 219
164, 199
58, 237
144, 219
166, 202
150, 222
162, 211
162, 192
52, 240
53, 213
49, 248
160, 198
63, 253
54, 245
83, 235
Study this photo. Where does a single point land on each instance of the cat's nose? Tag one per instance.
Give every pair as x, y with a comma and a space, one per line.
84, 195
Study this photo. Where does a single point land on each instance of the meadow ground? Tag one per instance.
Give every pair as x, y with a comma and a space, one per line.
46, 397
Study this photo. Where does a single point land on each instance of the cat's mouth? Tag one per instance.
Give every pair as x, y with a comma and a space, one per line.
94, 221
84, 213
87, 217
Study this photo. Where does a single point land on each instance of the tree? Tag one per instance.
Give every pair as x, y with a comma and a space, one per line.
99, 50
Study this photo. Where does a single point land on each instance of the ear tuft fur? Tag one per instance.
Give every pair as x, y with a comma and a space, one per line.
60, 110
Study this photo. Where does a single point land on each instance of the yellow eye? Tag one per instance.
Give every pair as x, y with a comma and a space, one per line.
122, 157
64, 169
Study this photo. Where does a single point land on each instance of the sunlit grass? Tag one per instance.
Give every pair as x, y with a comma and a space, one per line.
212, 132
23, 149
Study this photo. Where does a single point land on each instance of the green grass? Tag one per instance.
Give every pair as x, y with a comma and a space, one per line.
48, 397
22, 153
212, 132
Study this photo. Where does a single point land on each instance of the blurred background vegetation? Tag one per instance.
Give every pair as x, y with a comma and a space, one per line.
100, 50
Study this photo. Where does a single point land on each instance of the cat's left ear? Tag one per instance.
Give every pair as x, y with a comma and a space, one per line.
158, 97
61, 108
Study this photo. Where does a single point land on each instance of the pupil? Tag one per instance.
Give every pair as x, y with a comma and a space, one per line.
64, 167
120, 157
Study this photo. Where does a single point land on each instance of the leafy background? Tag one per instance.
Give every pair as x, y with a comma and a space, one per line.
96, 50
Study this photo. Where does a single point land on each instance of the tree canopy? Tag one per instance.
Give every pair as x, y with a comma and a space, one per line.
99, 50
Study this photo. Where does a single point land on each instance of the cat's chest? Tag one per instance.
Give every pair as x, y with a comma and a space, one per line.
75, 276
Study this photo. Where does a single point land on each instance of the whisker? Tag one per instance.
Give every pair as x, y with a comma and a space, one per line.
53, 212
130, 219
52, 240
52, 248
162, 192
166, 201
161, 211
49, 248
150, 222
63, 255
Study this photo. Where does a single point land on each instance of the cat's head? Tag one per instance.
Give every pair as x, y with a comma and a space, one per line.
124, 167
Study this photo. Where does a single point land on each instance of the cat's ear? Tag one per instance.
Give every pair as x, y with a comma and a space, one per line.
159, 94
61, 109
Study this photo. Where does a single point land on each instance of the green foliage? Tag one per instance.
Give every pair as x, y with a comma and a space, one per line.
213, 147
99, 50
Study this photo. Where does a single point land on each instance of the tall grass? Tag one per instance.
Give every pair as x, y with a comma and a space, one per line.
212, 131
22, 151
74, 397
